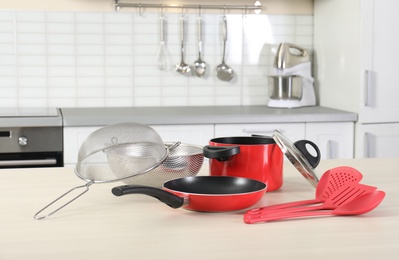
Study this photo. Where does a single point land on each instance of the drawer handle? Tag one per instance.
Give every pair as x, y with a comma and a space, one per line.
367, 145
367, 87
28, 162
331, 153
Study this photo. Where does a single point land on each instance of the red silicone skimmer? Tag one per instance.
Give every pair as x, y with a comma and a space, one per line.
360, 205
329, 183
345, 194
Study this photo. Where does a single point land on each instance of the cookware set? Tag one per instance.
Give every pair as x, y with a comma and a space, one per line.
242, 169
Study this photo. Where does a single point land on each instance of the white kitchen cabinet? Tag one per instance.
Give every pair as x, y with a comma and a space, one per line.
378, 140
356, 64
293, 131
335, 140
73, 139
191, 134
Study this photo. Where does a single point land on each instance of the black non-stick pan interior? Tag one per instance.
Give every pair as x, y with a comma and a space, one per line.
215, 185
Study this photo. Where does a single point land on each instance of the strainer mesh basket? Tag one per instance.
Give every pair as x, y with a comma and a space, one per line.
119, 151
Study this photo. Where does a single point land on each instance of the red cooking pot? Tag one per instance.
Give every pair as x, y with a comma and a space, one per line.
203, 193
254, 157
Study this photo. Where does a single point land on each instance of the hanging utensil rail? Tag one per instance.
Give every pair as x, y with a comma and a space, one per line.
257, 7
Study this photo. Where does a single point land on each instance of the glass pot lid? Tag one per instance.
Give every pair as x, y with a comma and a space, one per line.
299, 155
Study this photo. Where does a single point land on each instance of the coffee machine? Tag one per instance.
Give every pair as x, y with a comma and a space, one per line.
292, 84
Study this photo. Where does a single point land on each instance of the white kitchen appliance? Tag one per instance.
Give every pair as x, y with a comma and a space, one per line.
292, 85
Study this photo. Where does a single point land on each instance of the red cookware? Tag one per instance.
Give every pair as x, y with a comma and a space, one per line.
261, 158
251, 157
203, 193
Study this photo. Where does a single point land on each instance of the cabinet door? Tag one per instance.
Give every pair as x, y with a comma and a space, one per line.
380, 61
377, 141
335, 140
73, 139
190, 134
294, 131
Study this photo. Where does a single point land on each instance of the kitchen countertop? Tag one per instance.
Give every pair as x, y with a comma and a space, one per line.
202, 115
101, 226
30, 117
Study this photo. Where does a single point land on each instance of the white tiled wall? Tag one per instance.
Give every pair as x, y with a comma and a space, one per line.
68, 59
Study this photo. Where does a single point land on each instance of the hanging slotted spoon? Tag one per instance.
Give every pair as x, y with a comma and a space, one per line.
132, 147
199, 64
330, 182
182, 67
360, 205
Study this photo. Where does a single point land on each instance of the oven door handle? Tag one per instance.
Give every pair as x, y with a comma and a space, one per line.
43, 162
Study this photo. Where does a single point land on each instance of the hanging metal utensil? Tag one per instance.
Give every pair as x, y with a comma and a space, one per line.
163, 58
132, 147
223, 71
182, 67
199, 64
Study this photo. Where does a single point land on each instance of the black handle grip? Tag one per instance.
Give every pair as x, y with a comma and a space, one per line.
220, 153
168, 198
313, 160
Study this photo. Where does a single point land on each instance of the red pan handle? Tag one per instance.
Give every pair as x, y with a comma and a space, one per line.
168, 198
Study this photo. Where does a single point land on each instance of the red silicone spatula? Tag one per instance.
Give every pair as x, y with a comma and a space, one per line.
345, 194
362, 204
330, 182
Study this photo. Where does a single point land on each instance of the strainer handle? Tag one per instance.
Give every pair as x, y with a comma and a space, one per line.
85, 187
171, 146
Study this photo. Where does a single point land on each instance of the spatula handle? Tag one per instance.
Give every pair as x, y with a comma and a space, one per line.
265, 217
282, 206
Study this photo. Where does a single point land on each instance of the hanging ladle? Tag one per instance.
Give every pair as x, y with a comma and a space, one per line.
182, 67
223, 71
362, 204
199, 64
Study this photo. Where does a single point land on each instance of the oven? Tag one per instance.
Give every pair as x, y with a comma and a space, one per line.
31, 138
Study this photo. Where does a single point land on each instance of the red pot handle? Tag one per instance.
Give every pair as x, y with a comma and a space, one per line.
313, 160
220, 153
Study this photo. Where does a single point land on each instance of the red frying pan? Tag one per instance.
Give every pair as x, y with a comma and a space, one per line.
203, 193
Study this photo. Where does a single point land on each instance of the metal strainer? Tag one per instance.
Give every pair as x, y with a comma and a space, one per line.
114, 153
184, 160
